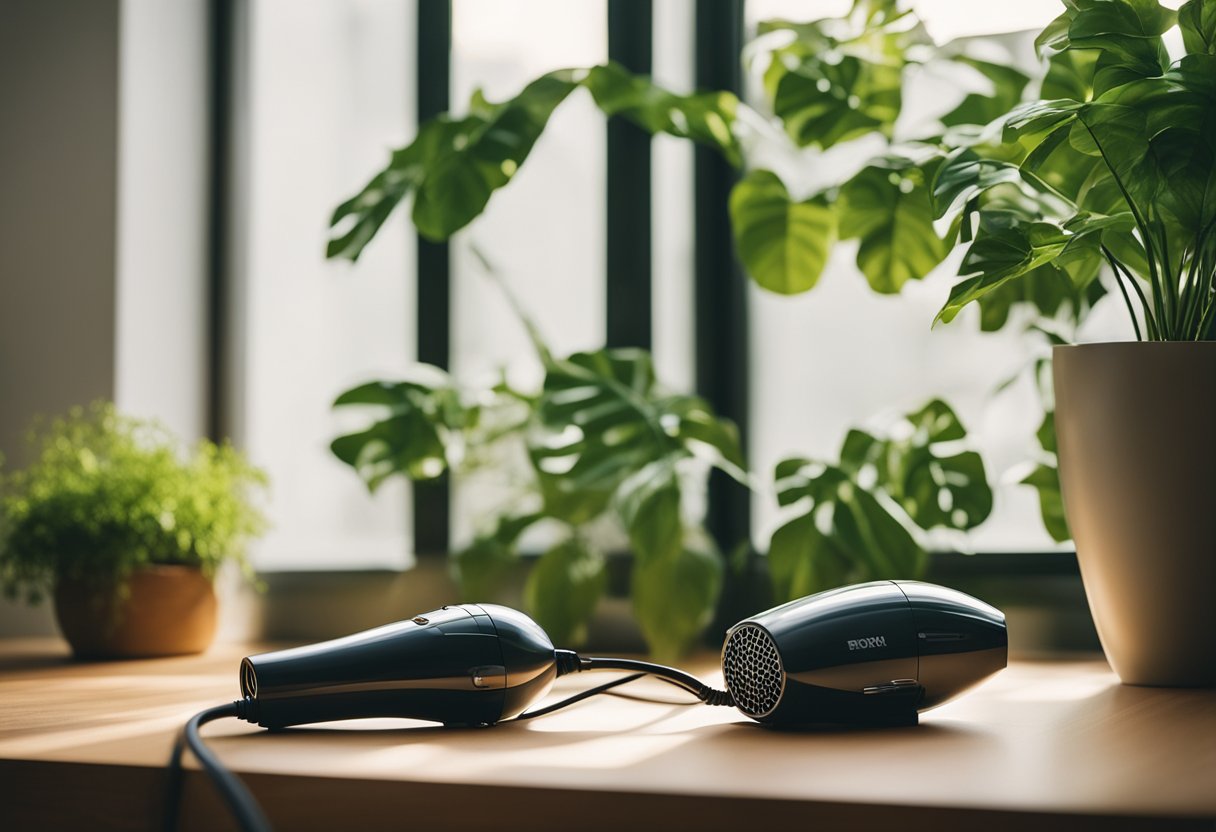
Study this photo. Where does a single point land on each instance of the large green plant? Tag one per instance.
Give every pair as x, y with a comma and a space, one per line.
827, 82
108, 493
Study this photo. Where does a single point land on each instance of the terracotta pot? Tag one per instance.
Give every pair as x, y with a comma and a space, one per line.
170, 611
1136, 428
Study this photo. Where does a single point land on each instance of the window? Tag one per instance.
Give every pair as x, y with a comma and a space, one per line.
324, 91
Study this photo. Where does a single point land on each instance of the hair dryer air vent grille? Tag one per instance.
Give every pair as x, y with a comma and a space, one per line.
752, 668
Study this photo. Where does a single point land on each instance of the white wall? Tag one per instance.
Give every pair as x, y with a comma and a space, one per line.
160, 352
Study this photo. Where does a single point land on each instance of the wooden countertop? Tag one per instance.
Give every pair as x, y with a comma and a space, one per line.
1045, 744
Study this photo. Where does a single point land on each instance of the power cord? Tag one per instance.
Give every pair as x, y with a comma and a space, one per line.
240, 802
579, 697
570, 662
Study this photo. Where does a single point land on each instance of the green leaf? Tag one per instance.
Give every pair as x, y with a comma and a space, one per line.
1197, 20
563, 589
887, 207
832, 80
1055, 34
802, 561
964, 175
1097, 20
1125, 35
859, 449
843, 534
868, 530
1046, 433
1007, 85
1046, 480
691, 420
1006, 248
649, 506
1070, 74
822, 103
484, 156
482, 567
936, 489
453, 166
410, 440
1038, 118
674, 596
1046, 289
783, 244
706, 118
601, 419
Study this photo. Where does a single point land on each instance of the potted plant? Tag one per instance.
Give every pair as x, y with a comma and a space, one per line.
125, 529
1123, 168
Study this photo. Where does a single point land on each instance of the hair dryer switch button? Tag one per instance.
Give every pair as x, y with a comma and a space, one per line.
491, 676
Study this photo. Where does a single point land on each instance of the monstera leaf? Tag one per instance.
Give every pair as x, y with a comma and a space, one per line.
837, 79
887, 207
1004, 248
844, 533
783, 244
419, 428
601, 419
860, 518
935, 489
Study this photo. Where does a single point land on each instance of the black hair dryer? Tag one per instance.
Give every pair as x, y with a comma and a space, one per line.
472, 664
874, 653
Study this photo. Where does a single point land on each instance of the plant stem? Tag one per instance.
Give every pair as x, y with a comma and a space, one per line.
1152, 331
1141, 224
1131, 310
530, 326
1169, 283
1189, 301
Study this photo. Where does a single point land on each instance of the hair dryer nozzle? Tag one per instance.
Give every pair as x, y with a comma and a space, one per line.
461, 665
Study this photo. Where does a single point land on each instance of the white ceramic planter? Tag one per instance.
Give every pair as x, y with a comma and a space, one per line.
1136, 428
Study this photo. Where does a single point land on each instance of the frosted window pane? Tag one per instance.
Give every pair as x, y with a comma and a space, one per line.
544, 234
672, 205
328, 91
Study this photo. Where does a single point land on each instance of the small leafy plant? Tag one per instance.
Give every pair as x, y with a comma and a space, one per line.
109, 493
